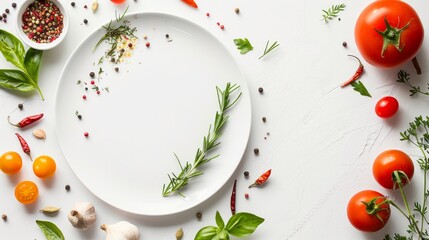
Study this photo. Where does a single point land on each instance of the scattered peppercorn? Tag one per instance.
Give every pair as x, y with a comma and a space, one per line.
208, 14
222, 27
199, 215
261, 90
92, 82
237, 10
86, 134
20, 106
256, 151
264, 119
92, 74
167, 36
344, 44
85, 21
4, 20
14, 5
339, 19
98, 91
4, 217
84, 97
1, 17
246, 195
67, 187
130, 45
246, 173
116, 69
4, 15
7, 10
113, 60
86, 88
85, 7
147, 44
79, 116
73, 4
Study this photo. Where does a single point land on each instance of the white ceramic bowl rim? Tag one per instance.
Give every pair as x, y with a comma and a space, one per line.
42, 46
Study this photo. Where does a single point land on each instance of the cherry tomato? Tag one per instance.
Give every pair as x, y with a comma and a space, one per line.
44, 166
371, 216
118, 1
10, 162
26, 192
388, 33
386, 107
388, 162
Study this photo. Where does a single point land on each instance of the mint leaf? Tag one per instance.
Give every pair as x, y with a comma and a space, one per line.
243, 45
359, 87
51, 231
243, 224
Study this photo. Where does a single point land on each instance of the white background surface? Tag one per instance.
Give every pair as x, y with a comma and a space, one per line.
322, 139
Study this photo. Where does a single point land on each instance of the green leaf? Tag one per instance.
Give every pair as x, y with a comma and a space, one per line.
359, 87
332, 12
207, 233
12, 49
15, 80
51, 231
219, 221
243, 224
243, 45
32, 61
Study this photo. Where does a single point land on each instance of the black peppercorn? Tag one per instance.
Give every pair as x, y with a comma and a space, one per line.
92, 74
14, 5
246, 173
4, 15
256, 151
4, 20
237, 10
199, 215
130, 45
264, 119
113, 60
86, 88
344, 44
73, 4
79, 116
20, 106
260, 90
85, 21
67, 187
167, 36
7, 10
1, 17
116, 69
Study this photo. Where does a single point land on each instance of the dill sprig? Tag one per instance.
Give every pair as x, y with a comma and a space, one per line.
210, 141
115, 33
332, 12
404, 77
269, 49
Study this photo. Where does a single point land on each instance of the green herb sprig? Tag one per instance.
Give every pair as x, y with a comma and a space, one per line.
50, 230
210, 141
243, 45
360, 88
404, 77
332, 12
239, 225
25, 78
269, 49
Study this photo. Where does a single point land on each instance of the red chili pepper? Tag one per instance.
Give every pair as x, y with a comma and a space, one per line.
233, 196
262, 179
24, 145
190, 3
357, 74
26, 121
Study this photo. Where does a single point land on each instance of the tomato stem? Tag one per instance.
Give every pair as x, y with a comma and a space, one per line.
410, 216
416, 65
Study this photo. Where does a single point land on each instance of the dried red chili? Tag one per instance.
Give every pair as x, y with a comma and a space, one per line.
262, 179
24, 145
26, 121
357, 74
233, 197
190, 3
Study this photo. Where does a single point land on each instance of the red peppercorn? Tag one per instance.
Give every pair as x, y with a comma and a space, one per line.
218, 23
98, 91
222, 27
92, 82
84, 97
147, 44
246, 195
208, 14
86, 134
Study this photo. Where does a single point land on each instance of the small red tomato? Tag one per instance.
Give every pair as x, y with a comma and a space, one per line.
118, 1
389, 161
368, 211
386, 107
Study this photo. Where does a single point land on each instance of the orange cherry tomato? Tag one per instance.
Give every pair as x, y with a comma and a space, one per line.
26, 192
118, 1
10, 162
44, 166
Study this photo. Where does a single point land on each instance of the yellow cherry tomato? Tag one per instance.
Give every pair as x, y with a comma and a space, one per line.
10, 162
44, 166
26, 192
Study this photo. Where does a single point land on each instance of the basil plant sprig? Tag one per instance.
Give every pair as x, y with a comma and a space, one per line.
25, 78
239, 225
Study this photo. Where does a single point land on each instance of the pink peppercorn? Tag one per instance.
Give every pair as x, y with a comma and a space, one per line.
222, 27
218, 23
86, 134
84, 97
98, 91
246, 195
147, 44
208, 14
92, 82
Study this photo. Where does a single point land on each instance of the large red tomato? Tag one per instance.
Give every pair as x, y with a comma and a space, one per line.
388, 33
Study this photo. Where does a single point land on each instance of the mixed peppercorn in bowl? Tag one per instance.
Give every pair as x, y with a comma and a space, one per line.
42, 24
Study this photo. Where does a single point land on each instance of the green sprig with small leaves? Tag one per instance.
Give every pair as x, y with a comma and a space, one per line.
404, 77
269, 49
243, 45
332, 12
360, 88
210, 141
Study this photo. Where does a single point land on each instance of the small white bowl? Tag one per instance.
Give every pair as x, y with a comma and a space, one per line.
42, 46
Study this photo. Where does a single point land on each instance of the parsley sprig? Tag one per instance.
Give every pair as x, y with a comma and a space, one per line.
243, 45
404, 77
332, 12
360, 88
210, 141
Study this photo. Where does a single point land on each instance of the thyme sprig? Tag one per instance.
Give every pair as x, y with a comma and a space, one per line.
418, 135
404, 77
210, 141
332, 12
269, 49
115, 33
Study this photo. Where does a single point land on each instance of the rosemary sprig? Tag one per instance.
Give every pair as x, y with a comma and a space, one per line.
190, 170
269, 49
115, 33
332, 12
404, 77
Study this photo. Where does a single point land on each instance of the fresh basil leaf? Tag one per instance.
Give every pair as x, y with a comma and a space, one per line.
32, 61
243, 224
51, 231
207, 233
15, 79
219, 221
12, 49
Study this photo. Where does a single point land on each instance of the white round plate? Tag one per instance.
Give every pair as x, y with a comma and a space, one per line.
161, 102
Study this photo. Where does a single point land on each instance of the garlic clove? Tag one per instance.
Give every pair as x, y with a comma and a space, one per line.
39, 134
82, 216
122, 230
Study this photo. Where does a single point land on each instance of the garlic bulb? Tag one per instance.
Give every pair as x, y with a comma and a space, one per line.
82, 215
121, 231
